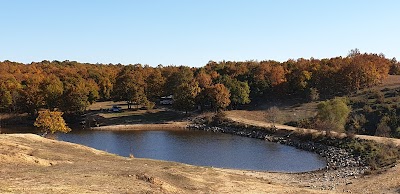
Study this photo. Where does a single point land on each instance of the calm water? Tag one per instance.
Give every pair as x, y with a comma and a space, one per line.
200, 148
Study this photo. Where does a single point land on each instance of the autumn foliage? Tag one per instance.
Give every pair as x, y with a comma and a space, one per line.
51, 121
70, 86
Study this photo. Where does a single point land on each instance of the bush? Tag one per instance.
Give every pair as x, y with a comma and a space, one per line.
356, 123
149, 105
313, 94
380, 97
397, 132
333, 114
219, 118
376, 155
383, 129
368, 109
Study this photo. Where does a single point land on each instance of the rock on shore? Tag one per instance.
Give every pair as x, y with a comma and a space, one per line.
340, 162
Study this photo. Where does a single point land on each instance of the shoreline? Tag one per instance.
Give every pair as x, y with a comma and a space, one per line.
173, 126
336, 158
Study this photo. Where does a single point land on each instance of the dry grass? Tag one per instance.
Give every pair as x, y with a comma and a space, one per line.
79, 169
107, 105
288, 113
391, 80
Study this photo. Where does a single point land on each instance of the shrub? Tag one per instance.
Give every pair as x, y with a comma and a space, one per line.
219, 118
149, 105
383, 129
333, 114
376, 155
368, 109
313, 94
356, 123
380, 97
397, 132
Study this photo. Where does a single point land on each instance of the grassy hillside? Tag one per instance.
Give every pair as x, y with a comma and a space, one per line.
370, 107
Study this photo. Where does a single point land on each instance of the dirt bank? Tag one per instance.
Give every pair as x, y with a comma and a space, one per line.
150, 126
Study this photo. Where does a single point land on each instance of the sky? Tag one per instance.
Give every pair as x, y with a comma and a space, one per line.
193, 32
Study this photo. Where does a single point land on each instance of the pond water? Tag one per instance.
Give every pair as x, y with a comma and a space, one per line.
200, 148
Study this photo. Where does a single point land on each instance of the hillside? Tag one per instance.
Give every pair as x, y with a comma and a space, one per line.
32, 164
373, 103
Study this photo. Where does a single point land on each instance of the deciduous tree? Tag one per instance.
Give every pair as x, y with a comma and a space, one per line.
185, 95
220, 96
334, 112
51, 122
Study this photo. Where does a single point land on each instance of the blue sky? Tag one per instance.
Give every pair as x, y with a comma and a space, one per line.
189, 32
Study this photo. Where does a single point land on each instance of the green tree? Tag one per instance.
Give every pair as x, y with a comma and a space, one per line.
154, 85
185, 95
182, 75
240, 91
5, 98
51, 121
52, 89
75, 97
92, 91
130, 86
106, 87
334, 113
10, 90
32, 97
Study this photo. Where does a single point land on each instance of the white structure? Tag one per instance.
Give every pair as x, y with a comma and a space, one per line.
167, 100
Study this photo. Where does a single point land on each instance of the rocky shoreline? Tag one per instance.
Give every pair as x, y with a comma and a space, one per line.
340, 163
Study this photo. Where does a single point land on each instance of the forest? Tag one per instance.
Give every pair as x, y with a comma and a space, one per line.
70, 86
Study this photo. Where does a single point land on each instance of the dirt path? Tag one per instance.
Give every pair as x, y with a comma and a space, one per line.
258, 123
129, 127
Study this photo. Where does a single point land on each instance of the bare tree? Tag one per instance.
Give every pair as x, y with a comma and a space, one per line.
273, 115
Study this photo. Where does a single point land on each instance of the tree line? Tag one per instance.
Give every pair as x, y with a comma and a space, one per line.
71, 87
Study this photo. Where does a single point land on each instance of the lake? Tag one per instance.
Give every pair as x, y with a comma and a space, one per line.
200, 148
